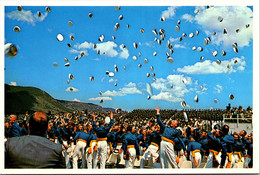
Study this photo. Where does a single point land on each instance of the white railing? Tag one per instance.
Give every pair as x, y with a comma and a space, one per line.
240, 118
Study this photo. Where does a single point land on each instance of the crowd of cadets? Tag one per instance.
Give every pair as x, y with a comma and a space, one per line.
157, 141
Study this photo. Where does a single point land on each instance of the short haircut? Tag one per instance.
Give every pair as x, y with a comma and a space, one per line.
38, 123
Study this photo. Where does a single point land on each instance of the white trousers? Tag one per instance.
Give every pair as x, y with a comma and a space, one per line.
130, 163
90, 156
79, 149
120, 156
167, 155
150, 152
236, 158
102, 153
209, 163
232, 162
198, 159
66, 154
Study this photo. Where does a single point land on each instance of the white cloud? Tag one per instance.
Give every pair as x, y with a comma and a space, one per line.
27, 16
76, 100
170, 12
100, 98
218, 89
13, 83
107, 48
85, 45
209, 67
125, 53
179, 46
242, 16
171, 94
130, 88
72, 89
167, 96
188, 17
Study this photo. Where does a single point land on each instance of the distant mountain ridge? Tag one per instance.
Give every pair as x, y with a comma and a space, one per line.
20, 99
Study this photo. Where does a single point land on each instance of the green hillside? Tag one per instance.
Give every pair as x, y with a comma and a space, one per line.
21, 99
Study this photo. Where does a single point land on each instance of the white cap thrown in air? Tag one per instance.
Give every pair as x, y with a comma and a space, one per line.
107, 120
60, 37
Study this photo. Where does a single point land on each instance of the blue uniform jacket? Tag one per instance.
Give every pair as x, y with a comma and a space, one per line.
65, 134
227, 147
130, 139
140, 138
111, 137
15, 130
239, 146
214, 143
246, 142
179, 144
90, 138
185, 140
193, 145
102, 131
119, 138
169, 132
82, 135
154, 137
204, 145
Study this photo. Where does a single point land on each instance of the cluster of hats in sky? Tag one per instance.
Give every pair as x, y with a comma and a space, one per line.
160, 36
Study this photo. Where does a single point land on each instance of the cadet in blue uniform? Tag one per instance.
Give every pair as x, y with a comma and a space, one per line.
245, 141
180, 147
118, 143
152, 146
227, 149
130, 147
214, 146
169, 134
65, 133
204, 144
238, 148
101, 146
194, 152
141, 142
81, 141
91, 143
15, 129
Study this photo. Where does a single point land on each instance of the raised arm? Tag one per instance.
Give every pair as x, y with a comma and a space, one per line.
159, 119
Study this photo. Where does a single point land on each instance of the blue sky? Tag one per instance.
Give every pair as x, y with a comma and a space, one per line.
38, 50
